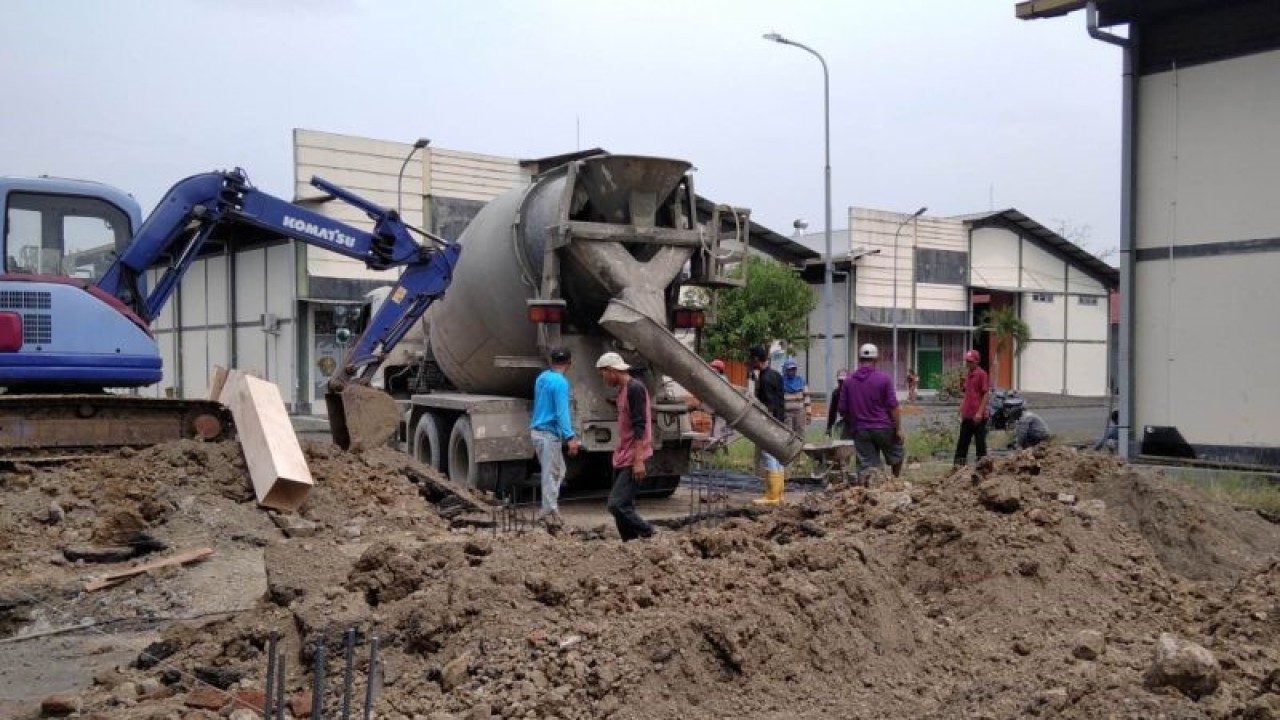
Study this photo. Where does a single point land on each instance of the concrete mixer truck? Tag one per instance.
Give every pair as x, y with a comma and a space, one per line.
591, 256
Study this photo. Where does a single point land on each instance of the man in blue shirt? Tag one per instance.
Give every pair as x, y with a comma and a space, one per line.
550, 429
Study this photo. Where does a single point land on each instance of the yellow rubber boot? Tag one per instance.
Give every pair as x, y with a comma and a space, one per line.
774, 482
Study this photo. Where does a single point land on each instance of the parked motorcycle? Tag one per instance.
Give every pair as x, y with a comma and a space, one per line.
1006, 406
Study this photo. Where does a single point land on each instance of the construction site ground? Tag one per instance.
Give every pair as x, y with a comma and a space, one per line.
1045, 583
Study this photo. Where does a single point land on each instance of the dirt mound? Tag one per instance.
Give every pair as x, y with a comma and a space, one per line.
1032, 585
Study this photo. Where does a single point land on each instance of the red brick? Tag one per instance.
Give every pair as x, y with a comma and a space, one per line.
206, 699
300, 705
252, 699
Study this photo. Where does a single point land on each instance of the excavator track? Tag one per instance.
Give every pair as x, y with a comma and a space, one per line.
36, 427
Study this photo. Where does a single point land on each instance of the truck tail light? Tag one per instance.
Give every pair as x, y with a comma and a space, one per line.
686, 318
10, 332
550, 312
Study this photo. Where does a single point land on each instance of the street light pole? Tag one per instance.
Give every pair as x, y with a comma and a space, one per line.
896, 232
827, 275
418, 145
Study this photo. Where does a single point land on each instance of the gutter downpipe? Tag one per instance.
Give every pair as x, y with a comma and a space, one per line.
1128, 183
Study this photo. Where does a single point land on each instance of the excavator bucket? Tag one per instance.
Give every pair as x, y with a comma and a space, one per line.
361, 417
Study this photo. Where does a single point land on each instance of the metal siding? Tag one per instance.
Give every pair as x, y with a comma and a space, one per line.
1204, 328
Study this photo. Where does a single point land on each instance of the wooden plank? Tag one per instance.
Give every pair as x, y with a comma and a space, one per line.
277, 467
1034, 9
216, 383
119, 576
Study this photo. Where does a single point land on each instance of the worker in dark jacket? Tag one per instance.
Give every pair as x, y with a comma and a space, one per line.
833, 404
770, 394
1030, 431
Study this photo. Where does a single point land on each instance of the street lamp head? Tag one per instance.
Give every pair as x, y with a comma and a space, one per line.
919, 212
775, 37
799, 224
421, 143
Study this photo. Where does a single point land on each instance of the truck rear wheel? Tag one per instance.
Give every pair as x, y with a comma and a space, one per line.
429, 442
463, 469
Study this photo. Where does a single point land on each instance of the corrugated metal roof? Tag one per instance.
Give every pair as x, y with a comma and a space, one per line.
1085, 260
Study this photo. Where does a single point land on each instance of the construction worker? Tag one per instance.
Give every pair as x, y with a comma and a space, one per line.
869, 406
973, 410
770, 394
550, 429
635, 445
796, 396
833, 410
1031, 430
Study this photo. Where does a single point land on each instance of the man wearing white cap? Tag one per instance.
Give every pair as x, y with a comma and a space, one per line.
635, 445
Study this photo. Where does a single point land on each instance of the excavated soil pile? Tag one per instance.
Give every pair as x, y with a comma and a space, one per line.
1046, 583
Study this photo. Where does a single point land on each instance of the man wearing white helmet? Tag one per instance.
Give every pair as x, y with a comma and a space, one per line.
635, 445
869, 406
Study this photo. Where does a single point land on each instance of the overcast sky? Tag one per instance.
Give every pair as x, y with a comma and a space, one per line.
953, 104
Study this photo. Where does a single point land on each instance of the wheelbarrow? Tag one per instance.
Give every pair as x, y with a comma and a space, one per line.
830, 462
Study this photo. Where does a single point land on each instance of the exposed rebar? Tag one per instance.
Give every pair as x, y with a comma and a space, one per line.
317, 679
348, 655
371, 680
268, 696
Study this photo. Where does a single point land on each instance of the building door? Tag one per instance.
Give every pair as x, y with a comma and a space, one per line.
329, 346
929, 367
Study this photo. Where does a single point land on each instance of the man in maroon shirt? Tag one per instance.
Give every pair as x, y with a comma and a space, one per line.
973, 410
635, 445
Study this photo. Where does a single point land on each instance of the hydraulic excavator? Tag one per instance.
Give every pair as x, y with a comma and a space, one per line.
76, 312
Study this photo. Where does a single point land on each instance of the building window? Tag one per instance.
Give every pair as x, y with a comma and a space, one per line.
1042, 297
1088, 300
942, 267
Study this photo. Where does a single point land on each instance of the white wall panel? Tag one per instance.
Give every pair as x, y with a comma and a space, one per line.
1086, 369
1042, 270
994, 263
1079, 282
1207, 152
1041, 367
1087, 322
1205, 343
1045, 319
1205, 329
251, 281
216, 290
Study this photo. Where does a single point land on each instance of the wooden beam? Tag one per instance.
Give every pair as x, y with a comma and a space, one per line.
281, 478
1036, 9
115, 578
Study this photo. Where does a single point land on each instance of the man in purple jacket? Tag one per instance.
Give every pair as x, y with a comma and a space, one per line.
869, 406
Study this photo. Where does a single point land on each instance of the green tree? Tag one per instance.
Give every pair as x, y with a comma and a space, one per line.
773, 304
1010, 330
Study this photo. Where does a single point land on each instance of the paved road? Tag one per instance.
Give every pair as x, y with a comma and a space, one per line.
1074, 424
